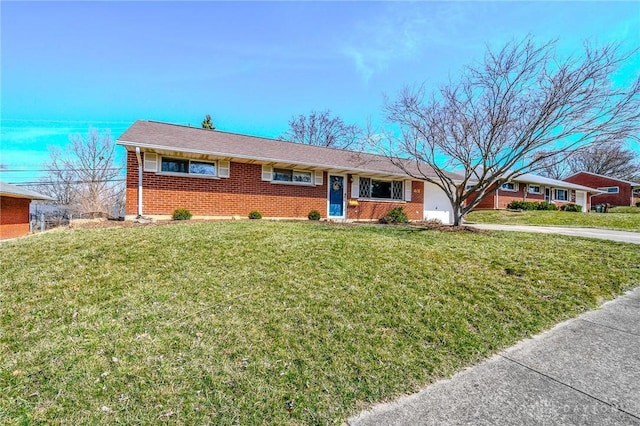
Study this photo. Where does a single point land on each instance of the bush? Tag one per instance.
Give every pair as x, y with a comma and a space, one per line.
522, 205
314, 215
546, 206
531, 205
638, 204
571, 208
181, 214
395, 215
255, 214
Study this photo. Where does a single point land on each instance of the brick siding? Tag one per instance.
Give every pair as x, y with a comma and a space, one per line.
506, 197
243, 192
14, 217
622, 198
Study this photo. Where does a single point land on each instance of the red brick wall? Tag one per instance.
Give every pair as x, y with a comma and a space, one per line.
14, 217
506, 197
241, 193
622, 198
367, 210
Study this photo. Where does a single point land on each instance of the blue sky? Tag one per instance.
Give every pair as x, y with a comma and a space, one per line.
67, 66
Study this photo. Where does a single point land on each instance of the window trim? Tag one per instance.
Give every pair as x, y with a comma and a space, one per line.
538, 192
555, 195
292, 182
607, 188
189, 174
516, 187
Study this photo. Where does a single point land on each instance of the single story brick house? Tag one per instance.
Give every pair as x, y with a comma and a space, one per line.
531, 187
617, 192
217, 174
14, 210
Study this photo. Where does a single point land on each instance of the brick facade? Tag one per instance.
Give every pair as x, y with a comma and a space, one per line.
506, 197
14, 217
622, 198
244, 191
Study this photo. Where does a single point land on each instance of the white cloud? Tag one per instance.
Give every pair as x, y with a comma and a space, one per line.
403, 31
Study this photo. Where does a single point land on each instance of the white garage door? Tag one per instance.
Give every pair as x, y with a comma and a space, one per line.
581, 199
436, 204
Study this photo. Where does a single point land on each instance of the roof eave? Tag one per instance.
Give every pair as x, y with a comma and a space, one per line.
259, 159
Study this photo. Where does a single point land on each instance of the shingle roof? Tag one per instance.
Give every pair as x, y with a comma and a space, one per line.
16, 191
633, 184
156, 135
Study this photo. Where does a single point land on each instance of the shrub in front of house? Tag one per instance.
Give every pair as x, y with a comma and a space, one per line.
181, 214
314, 215
638, 204
395, 215
255, 214
571, 208
530, 205
522, 205
547, 206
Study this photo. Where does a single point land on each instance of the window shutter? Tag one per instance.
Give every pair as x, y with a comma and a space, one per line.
223, 169
267, 172
150, 162
407, 190
318, 177
355, 186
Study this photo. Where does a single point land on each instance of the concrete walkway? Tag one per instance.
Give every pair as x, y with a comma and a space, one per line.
583, 371
603, 234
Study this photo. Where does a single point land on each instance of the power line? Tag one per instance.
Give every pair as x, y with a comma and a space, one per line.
56, 170
75, 182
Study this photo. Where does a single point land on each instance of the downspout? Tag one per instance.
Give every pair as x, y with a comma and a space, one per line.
139, 181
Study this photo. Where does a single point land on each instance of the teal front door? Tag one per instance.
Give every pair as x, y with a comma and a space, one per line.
336, 196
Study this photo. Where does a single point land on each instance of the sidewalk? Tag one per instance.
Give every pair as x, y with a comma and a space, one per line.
583, 371
603, 234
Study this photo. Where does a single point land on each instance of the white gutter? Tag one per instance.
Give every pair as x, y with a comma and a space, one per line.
139, 181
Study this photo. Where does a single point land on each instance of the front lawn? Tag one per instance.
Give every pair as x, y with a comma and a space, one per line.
272, 323
621, 221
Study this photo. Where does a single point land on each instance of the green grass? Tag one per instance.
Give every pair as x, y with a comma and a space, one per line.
622, 221
621, 209
272, 323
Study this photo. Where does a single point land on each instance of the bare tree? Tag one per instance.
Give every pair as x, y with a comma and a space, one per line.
550, 167
320, 129
85, 177
507, 115
609, 159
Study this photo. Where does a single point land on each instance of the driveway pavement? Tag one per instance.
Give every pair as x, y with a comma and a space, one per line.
604, 234
583, 371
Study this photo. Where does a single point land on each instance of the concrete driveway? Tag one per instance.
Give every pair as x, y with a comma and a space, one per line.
585, 371
603, 234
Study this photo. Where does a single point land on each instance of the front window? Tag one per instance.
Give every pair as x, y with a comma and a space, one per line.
192, 167
289, 175
534, 189
381, 189
561, 194
509, 186
174, 165
610, 189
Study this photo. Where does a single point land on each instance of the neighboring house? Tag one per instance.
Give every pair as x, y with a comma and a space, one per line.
217, 174
531, 187
617, 192
14, 210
